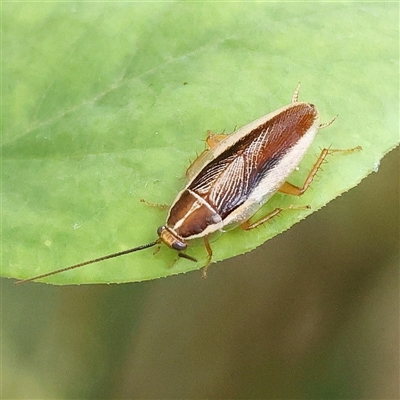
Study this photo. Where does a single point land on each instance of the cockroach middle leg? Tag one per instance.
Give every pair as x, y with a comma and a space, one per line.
289, 188
209, 257
251, 225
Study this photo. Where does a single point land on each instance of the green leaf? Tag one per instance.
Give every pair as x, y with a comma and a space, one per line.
105, 104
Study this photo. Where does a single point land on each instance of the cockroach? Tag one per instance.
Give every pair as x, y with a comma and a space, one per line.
230, 181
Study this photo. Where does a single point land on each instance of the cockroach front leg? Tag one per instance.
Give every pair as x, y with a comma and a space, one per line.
156, 205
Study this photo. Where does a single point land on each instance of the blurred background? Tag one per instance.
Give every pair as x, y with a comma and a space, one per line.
313, 313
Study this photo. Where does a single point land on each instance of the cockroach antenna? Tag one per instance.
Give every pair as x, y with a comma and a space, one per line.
95, 260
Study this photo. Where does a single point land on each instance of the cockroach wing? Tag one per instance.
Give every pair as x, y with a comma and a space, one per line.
228, 181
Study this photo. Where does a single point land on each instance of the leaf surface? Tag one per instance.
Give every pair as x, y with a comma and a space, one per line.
106, 104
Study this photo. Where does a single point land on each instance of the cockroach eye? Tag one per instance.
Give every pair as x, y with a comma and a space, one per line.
177, 245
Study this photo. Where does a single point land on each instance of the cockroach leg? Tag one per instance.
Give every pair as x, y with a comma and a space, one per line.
194, 167
182, 255
295, 97
209, 257
325, 124
156, 205
251, 225
174, 260
214, 139
289, 188
156, 250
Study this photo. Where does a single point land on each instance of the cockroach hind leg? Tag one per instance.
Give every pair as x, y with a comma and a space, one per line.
344, 151
289, 188
156, 205
251, 225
